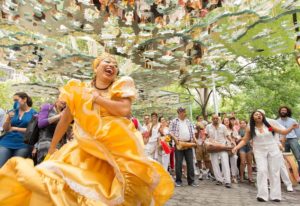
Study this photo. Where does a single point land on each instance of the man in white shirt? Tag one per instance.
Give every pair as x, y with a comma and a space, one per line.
181, 129
219, 134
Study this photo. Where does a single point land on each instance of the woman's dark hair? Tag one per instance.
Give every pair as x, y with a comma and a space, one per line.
154, 114
232, 118
23, 95
289, 111
243, 120
159, 119
252, 124
230, 125
199, 116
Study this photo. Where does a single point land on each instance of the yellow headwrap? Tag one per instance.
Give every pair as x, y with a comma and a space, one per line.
97, 61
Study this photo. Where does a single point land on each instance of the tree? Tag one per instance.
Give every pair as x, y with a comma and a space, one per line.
274, 81
5, 96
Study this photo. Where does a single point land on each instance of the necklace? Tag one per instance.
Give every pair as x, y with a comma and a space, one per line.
103, 88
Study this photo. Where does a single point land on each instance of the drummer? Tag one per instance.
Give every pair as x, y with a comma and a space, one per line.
182, 130
217, 132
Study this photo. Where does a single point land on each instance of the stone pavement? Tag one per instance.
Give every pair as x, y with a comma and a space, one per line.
240, 194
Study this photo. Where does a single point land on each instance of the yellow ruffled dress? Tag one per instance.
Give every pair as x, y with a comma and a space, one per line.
105, 164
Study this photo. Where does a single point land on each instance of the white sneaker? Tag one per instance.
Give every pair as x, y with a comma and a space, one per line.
200, 176
197, 172
290, 188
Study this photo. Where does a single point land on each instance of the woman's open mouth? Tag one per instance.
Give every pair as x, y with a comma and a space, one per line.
109, 71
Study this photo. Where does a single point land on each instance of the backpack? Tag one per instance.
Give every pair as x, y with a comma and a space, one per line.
32, 131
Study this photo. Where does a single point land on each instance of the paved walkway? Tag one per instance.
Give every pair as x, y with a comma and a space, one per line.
239, 195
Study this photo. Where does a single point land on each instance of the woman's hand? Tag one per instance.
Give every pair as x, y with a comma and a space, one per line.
116, 107
51, 150
95, 96
11, 114
33, 153
281, 147
234, 150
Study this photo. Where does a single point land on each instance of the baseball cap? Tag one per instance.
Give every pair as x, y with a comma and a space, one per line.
180, 109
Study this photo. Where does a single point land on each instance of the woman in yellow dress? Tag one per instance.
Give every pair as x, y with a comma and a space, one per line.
105, 164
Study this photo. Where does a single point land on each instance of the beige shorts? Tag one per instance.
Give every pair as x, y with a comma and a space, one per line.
201, 153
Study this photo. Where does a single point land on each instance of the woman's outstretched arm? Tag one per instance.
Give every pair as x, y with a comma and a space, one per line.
61, 129
284, 131
243, 142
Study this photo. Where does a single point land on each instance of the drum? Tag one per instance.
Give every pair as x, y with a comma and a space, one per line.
185, 145
292, 167
213, 147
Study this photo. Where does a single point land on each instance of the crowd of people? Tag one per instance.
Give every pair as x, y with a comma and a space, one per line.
258, 144
253, 145
14, 123
110, 143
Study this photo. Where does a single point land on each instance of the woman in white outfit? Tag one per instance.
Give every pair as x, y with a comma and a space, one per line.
163, 157
233, 135
284, 174
151, 148
267, 155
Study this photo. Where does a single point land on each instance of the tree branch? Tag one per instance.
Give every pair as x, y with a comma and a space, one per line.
200, 97
207, 98
193, 96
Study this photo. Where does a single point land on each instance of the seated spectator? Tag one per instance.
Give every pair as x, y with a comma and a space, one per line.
48, 118
12, 142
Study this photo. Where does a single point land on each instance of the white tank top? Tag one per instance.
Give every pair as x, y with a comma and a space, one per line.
155, 133
265, 138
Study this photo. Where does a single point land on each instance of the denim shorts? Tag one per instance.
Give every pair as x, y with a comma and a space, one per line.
247, 148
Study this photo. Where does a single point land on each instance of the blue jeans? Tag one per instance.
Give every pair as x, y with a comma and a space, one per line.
7, 153
292, 144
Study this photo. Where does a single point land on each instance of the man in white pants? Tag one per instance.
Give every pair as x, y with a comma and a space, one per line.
219, 134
